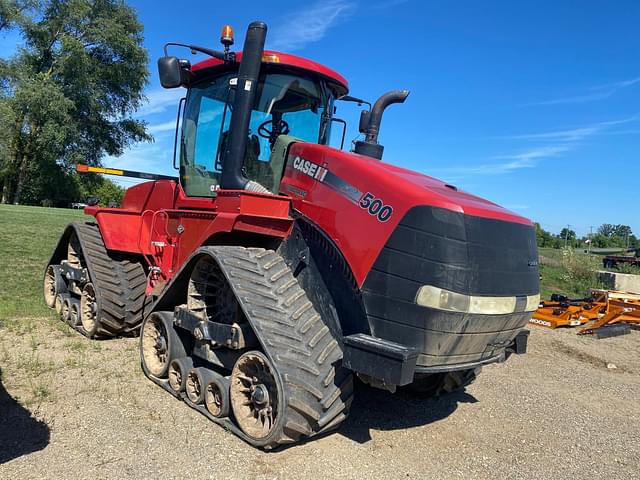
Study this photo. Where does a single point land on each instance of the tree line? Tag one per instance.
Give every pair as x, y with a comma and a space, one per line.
606, 236
67, 96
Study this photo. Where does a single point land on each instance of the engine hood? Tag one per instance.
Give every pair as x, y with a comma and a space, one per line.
438, 193
358, 201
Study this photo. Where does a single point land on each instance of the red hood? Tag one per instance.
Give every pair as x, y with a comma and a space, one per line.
438, 193
335, 189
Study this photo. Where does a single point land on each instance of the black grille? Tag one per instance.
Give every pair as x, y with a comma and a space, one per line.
465, 254
457, 252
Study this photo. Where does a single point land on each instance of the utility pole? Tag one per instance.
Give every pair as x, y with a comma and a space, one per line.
566, 235
590, 238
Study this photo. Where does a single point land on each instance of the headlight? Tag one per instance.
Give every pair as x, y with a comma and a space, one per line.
441, 299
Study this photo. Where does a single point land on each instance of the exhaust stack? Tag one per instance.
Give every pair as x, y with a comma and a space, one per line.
370, 124
232, 177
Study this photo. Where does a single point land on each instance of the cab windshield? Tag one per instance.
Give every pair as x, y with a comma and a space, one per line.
285, 105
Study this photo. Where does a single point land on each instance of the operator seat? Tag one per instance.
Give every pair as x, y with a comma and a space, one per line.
254, 168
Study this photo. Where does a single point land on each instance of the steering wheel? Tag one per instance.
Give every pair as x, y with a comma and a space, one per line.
277, 128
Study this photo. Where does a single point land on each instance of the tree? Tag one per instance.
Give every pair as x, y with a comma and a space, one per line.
610, 235
606, 230
622, 231
109, 193
567, 236
543, 238
68, 95
13, 11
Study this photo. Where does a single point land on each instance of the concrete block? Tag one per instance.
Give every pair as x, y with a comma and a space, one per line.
622, 282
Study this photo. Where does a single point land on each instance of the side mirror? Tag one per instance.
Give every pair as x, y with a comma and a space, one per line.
170, 72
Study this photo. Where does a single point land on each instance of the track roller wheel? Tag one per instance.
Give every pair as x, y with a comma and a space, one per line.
58, 303
178, 370
89, 310
216, 397
256, 396
53, 285
197, 379
160, 344
74, 312
65, 311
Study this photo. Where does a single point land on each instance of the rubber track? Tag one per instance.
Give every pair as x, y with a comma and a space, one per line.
120, 285
318, 390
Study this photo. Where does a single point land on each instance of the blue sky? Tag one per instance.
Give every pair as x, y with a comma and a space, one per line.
533, 105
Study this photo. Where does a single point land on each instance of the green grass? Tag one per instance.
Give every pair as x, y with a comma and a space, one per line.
28, 236
568, 272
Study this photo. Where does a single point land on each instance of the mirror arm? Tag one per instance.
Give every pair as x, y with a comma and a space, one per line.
194, 48
359, 101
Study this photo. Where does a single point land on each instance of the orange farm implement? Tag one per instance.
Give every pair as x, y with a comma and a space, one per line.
602, 310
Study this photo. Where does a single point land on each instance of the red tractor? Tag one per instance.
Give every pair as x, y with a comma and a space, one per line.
276, 267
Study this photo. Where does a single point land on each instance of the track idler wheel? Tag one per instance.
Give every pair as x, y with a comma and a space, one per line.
178, 370
216, 397
160, 344
74, 251
256, 396
53, 285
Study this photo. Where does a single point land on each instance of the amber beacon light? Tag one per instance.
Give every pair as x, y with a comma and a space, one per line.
226, 36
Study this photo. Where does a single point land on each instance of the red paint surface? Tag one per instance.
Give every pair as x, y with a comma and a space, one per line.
158, 221
359, 235
285, 59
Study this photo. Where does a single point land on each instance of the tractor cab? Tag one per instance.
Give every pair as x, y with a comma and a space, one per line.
286, 103
292, 97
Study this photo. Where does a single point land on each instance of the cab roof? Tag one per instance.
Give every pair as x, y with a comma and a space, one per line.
272, 57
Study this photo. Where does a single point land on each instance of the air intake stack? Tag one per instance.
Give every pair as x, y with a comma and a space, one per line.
370, 124
232, 176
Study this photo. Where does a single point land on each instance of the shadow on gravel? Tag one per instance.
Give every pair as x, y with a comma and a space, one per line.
20, 433
375, 409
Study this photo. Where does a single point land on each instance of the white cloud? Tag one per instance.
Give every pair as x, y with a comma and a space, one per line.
558, 143
169, 126
161, 99
308, 25
525, 159
575, 134
601, 92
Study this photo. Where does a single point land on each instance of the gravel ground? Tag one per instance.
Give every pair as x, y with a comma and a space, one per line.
85, 410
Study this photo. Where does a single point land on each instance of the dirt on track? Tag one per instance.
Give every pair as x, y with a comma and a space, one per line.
85, 410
